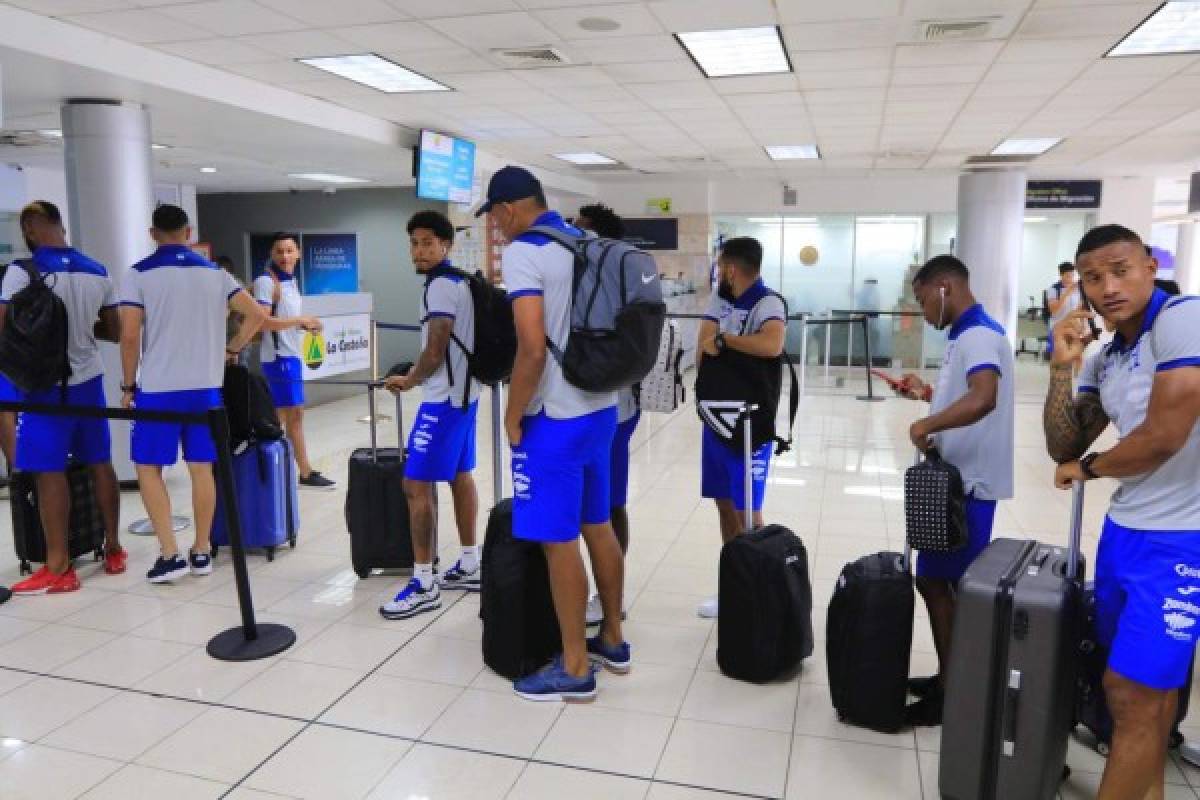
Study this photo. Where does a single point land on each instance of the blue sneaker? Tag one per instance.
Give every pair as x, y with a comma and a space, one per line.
201, 563
458, 578
170, 569
617, 659
412, 600
553, 683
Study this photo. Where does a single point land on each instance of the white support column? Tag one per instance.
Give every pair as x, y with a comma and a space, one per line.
1187, 260
991, 219
110, 195
1128, 202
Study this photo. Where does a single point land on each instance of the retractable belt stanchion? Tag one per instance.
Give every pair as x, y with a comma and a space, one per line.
803, 354
828, 343
869, 397
250, 641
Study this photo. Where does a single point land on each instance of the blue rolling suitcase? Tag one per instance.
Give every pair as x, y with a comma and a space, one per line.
267, 501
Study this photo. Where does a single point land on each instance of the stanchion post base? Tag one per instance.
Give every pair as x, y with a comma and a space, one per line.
869, 399
232, 645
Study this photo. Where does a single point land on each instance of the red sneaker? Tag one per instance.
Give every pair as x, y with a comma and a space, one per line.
46, 582
114, 561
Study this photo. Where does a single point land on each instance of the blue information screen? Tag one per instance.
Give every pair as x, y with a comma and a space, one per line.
330, 263
445, 168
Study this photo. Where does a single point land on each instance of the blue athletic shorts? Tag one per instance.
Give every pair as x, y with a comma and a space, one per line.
619, 483
1148, 602
8, 392
981, 515
157, 443
44, 442
441, 443
723, 472
285, 377
561, 474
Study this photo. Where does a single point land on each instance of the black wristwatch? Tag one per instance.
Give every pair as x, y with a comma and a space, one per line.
1085, 466
719, 341
129, 388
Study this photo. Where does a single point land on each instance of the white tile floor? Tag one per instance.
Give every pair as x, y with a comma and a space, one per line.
108, 693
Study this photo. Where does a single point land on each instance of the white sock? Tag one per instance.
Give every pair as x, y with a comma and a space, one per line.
470, 558
424, 574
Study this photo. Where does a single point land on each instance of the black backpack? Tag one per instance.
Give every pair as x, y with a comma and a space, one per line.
935, 505
252, 415
33, 344
617, 313
490, 359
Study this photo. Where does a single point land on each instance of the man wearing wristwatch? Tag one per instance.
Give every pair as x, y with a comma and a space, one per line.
1147, 384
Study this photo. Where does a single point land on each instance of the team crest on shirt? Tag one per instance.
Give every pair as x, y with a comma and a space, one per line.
314, 350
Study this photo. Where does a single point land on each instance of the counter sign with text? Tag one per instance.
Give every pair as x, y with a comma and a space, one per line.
330, 263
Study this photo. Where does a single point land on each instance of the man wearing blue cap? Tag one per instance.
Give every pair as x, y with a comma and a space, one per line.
561, 439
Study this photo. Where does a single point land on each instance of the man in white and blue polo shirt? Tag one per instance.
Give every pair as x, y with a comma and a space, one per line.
746, 316
561, 439
1146, 382
44, 443
174, 306
971, 425
441, 444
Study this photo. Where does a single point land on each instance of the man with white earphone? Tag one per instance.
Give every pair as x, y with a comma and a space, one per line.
971, 424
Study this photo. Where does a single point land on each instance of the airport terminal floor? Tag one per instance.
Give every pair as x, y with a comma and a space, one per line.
108, 692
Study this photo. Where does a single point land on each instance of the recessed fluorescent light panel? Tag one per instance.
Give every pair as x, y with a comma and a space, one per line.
208, 170
157, 146
586, 159
52, 133
739, 51
326, 177
376, 72
793, 152
1173, 28
1025, 147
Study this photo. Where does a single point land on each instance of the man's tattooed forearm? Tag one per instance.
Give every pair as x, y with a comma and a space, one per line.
1070, 424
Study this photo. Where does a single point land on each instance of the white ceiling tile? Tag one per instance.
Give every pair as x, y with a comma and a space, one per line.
495, 80
508, 98
947, 54
662, 95
751, 103
1160, 66
653, 72
428, 9
836, 60
567, 77
844, 79
1039, 50
1069, 23
929, 94
443, 62
1041, 89
708, 118
278, 72
633, 19
142, 26
845, 97
627, 49
329, 88
394, 37
874, 33
509, 29
691, 15
323, 13
755, 84
219, 52
58, 8
1036, 70
936, 76
534, 5
233, 17
300, 44
794, 11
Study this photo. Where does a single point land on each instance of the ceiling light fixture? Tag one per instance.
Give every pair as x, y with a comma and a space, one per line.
1026, 147
586, 159
377, 72
793, 152
157, 146
208, 170
738, 51
1173, 28
52, 133
326, 177
1032, 220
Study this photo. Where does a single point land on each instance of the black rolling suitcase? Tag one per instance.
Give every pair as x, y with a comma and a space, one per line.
376, 509
764, 616
85, 530
1010, 687
868, 641
520, 629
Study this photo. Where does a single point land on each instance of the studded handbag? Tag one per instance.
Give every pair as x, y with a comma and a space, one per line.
935, 505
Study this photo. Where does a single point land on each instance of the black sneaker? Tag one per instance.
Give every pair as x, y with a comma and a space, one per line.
170, 569
921, 688
5, 593
926, 712
316, 480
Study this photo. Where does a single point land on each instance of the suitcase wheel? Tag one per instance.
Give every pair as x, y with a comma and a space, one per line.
1103, 748
292, 541
270, 554
99, 554
362, 573
26, 568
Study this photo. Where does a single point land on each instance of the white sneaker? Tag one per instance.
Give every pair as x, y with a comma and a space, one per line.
707, 609
595, 612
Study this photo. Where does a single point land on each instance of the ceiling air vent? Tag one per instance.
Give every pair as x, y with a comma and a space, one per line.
24, 139
997, 161
531, 57
949, 30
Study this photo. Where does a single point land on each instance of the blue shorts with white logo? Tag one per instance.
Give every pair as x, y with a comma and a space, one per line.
285, 378
157, 443
723, 471
441, 443
44, 442
561, 475
619, 483
981, 516
8, 392
1148, 602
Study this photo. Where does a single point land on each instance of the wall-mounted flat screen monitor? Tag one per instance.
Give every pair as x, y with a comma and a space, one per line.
445, 168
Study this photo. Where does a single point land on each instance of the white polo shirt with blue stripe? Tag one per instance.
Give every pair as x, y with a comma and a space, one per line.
536, 266
85, 289
291, 304
748, 313
1168, 498
185, 298
985, 451
447, 296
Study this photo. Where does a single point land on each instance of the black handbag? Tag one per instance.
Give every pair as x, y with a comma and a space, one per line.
935, 505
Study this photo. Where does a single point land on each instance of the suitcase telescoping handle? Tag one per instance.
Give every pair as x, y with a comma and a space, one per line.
748, 444
1074, 542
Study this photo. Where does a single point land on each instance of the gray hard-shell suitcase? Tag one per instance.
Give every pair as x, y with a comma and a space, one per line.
1010, 686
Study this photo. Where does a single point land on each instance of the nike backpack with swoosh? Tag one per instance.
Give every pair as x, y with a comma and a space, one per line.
617, 313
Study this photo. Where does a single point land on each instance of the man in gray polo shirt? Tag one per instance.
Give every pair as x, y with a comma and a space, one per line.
971, 424
1147, 384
